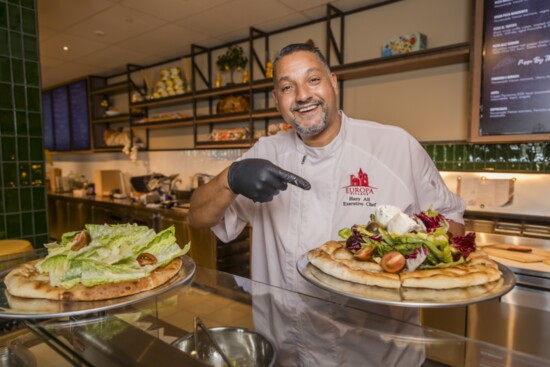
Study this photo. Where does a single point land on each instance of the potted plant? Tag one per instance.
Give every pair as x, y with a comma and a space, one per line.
233, 59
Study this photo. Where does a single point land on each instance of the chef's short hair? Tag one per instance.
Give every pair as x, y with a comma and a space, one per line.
295, 47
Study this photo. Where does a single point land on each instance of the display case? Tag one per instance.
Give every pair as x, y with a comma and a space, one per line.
301, 329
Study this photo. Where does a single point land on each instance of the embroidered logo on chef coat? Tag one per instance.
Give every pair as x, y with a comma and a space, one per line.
359, 190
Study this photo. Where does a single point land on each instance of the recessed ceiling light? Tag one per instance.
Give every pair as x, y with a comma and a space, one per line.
65, 48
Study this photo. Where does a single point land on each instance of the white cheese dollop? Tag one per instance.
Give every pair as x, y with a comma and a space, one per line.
401, 223
384, 213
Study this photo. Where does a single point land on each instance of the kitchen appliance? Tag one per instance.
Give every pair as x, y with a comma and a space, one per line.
155, 181
108, 182
55, 179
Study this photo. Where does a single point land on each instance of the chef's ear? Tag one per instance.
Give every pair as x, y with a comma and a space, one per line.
334, 82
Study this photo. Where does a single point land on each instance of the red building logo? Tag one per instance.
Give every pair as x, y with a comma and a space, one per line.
359, 185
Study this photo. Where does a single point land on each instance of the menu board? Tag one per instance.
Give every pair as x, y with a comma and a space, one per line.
61, 119
65, 117
515, 90
47, 118
80, 129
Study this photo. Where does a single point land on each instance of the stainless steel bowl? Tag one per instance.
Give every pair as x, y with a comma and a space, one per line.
243, 347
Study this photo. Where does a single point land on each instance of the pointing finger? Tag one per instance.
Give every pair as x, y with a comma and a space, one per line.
293, 179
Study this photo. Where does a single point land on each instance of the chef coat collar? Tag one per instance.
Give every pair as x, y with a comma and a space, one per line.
321, 152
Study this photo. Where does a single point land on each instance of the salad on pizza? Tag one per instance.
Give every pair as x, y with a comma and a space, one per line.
100, 262
395, 250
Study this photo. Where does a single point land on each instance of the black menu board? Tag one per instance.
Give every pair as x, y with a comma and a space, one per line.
80, 129
62, 132
515, 90
65, 117
47, 119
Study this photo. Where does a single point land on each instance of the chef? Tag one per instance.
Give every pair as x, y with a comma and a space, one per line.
299, 187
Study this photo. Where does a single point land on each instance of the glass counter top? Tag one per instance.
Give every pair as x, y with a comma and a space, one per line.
304, 330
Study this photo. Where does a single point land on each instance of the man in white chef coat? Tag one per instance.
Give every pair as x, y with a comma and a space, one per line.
339, 169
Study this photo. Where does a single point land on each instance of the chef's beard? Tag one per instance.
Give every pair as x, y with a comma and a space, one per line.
311, 130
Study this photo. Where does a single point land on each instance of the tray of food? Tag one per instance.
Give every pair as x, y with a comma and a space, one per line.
408, 261
99, 268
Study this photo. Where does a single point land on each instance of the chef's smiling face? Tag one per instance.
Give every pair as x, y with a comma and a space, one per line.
305, 94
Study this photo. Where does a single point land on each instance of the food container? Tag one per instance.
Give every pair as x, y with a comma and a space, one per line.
243, 347
404, 44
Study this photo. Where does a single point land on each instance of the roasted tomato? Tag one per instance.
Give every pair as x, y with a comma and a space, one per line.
146, 258
393, 262
365, 253
81, 240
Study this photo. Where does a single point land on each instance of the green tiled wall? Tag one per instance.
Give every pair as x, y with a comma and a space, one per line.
22, 171
520, 157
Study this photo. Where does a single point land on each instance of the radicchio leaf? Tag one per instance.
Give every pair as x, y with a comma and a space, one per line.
464, 244
416, 258
432, 220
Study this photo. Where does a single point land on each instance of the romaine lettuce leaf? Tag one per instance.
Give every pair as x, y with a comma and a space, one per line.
110, 256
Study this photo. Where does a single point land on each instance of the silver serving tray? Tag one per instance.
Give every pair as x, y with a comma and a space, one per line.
408, 297
33, 308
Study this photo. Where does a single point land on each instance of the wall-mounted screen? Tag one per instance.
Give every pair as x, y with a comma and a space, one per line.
514, 96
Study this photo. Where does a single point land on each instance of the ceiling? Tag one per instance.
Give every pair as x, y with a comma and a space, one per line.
105, 35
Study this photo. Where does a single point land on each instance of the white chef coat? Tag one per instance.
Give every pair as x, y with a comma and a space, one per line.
367, 164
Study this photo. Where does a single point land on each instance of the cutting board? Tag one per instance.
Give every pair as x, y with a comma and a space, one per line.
500, 250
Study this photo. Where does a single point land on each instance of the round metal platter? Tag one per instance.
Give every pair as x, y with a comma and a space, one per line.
33, 308
408, 297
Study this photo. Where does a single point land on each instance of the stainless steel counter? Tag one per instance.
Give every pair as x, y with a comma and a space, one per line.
305, 331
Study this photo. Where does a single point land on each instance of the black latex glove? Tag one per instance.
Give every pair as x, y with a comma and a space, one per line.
260, 180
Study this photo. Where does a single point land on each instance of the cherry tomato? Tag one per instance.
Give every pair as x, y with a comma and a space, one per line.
81, 240
365, 253
146, 258
393, 262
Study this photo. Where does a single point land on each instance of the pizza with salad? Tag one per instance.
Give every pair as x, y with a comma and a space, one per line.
397, 251
100, 262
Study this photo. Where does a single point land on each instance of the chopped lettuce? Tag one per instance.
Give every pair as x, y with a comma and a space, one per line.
427, 246
110, 256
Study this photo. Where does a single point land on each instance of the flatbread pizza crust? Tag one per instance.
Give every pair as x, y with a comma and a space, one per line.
26, 281
334, 259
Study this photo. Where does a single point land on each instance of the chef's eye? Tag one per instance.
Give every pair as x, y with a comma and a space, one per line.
286, 88
315, 80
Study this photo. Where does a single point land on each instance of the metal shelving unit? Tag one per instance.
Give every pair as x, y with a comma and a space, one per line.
258, 84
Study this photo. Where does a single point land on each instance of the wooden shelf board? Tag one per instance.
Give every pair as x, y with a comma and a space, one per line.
222, 91
183, 98
118, 118
223, 144
262, 84
218, 119
111, 89
164, 124
260, 114
429, 58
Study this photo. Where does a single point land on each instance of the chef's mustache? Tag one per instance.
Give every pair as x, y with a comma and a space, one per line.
309, 101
